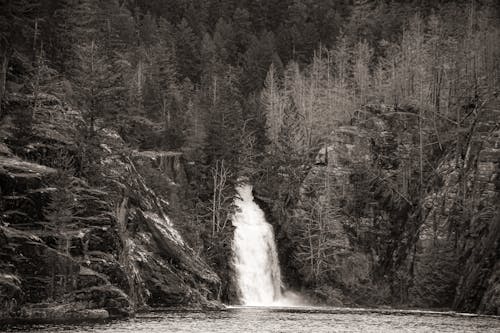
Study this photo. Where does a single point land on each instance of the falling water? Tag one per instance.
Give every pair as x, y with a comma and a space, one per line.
255, 256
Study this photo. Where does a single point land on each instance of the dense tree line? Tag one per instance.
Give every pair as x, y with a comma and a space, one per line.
253, 88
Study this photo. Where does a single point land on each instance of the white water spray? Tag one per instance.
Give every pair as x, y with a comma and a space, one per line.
255, 256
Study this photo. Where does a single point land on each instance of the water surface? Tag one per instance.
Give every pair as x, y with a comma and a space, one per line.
255, 319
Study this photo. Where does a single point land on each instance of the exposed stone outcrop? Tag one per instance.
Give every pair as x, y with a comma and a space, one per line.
60, 313
19, 176
166, 268
116, 249
351, 175
10, 295
378, 236
476, 238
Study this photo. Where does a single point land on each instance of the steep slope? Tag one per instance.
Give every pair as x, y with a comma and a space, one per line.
364, 240
67, 245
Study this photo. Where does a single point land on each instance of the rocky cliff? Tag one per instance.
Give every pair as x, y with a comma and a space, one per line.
73, 249
462, 213
373, 243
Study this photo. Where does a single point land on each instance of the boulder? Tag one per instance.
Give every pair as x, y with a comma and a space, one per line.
107, 265
172, 246
44, 271
490, 302
107, 297
17, 175
10, 295
168, 162
89, 278
60, 313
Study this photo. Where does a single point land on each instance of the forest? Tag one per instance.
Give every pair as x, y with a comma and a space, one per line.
370, 131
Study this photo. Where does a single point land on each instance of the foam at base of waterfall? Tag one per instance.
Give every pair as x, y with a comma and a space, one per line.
289, 299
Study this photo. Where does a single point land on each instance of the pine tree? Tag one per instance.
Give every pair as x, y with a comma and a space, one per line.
226, 121
162, 83
243, 30
94, 82
361, 71
273, 102
208, 57
187, 52
118, 31
293, 136
77, 23
257, 60
225, 42
147, 29
16, 22
60, 220
303, 34
196, 131
43, 80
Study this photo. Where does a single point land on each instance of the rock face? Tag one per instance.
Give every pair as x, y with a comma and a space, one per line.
70, 249
382, 247
476, 239
358, 191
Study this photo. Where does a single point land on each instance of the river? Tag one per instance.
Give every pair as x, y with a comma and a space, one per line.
265, 319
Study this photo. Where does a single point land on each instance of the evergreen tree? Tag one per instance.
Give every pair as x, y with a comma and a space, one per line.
361, 71
95, 82
187, 52
162, 83
43, 80
242, 30
118, 28
16, 26
77, 23
303, 34
147, 29
224, 39
225, 124
257, 59
293, 136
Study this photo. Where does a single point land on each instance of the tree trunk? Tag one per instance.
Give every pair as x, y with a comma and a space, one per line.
214, 198
3, 75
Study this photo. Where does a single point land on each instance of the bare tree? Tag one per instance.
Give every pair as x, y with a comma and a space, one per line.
272, 100
219, 201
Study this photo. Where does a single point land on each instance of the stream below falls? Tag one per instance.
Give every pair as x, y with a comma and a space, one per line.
270, 319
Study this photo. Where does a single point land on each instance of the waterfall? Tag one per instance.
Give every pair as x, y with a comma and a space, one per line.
255, 256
